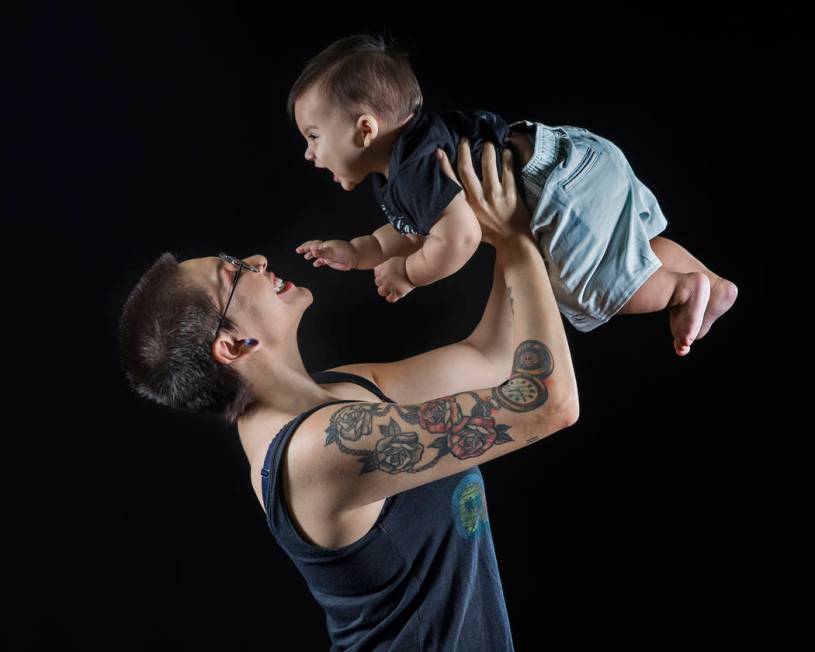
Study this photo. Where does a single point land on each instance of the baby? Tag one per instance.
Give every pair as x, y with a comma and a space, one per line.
359, 107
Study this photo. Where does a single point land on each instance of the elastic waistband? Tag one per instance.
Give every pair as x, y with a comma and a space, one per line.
548, 148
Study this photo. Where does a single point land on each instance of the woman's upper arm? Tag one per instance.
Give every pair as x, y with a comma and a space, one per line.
447, 369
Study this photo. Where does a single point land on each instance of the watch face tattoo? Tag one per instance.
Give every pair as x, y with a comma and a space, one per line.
521, 393
524, 390
534, 357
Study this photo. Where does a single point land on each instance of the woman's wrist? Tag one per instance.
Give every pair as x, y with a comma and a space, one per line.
514, 240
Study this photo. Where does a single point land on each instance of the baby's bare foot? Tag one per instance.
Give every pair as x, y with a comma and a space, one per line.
686, 317
723, 295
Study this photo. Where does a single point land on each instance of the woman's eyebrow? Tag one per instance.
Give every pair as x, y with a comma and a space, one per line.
218, 267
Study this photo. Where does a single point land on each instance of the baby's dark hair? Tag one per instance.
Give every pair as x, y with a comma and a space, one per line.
367, 71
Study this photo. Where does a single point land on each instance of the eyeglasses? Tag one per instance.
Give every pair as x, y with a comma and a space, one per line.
241, 266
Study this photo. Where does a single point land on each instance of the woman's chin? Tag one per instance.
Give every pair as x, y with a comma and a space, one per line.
297, 292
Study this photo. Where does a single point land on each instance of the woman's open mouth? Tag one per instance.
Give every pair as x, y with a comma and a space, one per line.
281, 286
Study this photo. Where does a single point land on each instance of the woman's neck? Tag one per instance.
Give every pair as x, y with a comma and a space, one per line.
283, 390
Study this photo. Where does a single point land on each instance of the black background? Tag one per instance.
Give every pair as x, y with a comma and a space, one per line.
656, 522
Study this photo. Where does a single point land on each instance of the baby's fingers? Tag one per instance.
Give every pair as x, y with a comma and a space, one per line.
308, 244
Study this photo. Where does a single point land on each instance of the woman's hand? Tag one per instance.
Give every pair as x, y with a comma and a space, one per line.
337, 254
495, 203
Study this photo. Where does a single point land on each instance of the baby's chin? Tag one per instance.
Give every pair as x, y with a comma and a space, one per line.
348, 184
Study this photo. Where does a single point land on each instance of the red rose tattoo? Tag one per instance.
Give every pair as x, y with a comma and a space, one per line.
472, 437
439, 415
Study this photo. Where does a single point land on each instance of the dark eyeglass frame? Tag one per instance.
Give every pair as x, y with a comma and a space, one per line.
241, 266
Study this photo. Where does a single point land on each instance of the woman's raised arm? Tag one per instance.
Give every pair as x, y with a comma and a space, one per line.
538, 336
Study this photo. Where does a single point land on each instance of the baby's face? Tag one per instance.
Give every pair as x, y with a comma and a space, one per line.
333, 140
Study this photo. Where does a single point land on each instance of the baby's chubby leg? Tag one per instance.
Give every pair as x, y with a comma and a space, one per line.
684, 294
723, 293
695, 296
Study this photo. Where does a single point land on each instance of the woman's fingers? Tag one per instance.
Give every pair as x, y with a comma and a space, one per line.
444, 163
489, 172
472, 186
508, 175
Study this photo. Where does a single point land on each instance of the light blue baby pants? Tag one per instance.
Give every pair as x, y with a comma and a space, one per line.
593, 220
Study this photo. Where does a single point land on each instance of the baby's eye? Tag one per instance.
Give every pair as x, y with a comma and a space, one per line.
313, 136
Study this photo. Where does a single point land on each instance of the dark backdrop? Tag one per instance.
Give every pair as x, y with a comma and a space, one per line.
650, 524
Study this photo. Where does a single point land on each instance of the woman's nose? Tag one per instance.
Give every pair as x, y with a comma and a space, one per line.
258, 261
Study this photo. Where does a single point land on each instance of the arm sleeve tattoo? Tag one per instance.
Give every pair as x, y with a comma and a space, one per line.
458, 434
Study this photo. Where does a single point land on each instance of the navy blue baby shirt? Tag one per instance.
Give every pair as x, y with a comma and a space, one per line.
416, 190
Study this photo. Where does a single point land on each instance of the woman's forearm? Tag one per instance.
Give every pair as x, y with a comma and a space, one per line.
537, 327
492, 336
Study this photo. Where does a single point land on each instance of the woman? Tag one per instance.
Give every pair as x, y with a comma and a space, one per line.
368, 473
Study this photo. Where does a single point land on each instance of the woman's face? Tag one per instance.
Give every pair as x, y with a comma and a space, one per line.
256, 307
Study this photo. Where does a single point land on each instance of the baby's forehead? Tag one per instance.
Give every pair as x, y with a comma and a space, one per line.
310, 106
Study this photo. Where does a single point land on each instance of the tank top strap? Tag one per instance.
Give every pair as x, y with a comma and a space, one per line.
344, 376
283, 434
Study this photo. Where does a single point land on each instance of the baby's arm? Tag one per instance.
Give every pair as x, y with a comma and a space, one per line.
452, 241
383, 244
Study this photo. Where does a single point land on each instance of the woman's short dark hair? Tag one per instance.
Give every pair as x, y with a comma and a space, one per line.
363, 70
165, 336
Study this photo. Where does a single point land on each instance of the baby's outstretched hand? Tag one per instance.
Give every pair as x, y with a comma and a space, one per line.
391, 280
337, 254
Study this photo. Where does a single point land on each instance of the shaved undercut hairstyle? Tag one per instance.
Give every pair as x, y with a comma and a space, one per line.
165, 336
